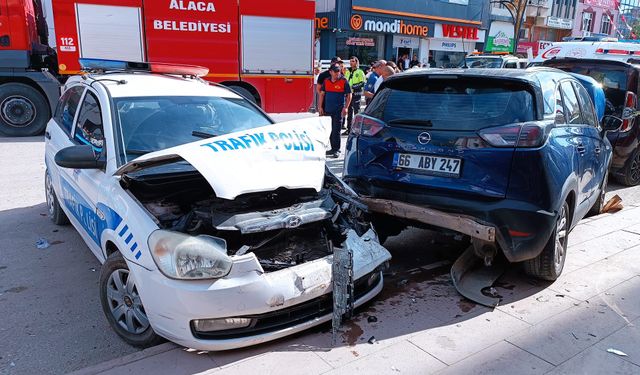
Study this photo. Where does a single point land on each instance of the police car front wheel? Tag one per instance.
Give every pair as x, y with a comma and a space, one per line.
122, 305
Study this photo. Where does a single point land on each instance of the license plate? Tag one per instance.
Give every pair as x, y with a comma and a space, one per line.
428, 164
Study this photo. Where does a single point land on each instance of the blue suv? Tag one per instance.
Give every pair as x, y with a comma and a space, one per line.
512, 158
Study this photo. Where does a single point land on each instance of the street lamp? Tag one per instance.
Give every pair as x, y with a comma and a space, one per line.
516, 8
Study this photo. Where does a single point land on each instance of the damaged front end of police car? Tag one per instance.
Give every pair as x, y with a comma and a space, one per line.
253, 245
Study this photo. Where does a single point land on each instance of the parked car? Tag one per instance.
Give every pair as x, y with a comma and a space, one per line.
212, 243
494, 61
620, 83
512, 158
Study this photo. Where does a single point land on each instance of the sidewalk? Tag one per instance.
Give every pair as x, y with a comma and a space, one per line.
424, 326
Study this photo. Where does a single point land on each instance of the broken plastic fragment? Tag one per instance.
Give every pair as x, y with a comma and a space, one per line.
617, 352
372, 319
42, 243
372, 340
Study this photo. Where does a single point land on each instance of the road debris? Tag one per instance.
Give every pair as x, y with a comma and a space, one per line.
394, 368
613, 205
372, 319
372, 340
617, 352
574, 335
542, 299
42, 243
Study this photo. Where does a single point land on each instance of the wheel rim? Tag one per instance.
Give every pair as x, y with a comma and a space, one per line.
18, 111
634, 170
125, 303
561, 238
50, 195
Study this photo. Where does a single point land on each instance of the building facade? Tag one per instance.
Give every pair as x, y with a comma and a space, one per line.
596, 18
436, 32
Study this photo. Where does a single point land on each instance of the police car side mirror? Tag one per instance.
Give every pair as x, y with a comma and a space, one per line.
611, 123
80, 157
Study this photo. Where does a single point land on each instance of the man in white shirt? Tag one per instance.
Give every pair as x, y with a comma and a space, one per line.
385, 71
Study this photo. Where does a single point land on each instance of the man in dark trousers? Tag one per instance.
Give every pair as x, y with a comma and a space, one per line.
356, 79
335, 98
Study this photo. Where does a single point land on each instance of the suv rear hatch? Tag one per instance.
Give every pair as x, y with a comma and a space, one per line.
446, 132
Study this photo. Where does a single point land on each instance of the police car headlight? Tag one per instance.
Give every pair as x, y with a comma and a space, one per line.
180, 256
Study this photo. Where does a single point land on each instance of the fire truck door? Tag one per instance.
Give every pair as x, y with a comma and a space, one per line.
110, 32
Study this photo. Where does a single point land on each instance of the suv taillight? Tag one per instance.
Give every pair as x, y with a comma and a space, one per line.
517, 135
629, 111
366, 125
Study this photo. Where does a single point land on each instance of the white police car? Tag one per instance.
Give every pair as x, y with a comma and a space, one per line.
217, 229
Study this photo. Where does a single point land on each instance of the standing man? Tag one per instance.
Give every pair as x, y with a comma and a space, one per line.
325, 75
414, 61
369, 89
355, 77
335, 98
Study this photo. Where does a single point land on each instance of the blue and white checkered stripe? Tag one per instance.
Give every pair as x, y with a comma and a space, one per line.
125, 233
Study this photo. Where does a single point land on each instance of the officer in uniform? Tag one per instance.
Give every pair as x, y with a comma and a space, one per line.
355, 77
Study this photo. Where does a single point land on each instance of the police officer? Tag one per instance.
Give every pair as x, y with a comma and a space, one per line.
335, 98
355, 77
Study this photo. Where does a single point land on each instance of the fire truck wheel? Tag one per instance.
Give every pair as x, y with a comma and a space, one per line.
244, 93
23, 110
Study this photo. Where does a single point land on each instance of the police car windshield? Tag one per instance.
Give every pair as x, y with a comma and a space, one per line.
149, 124
483, 62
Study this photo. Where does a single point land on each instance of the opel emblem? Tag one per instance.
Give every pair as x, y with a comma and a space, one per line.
293, 221
424, 138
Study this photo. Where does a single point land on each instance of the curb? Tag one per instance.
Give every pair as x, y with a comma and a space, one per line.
127, 359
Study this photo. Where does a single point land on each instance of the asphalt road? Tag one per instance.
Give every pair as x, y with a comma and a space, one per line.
50, 315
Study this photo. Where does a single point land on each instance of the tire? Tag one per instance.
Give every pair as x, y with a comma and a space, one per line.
598, 205
53, 205
631, 173
244, 93
23, 110
122, 305
549, 263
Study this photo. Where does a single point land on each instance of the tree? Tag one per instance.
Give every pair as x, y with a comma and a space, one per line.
516, 8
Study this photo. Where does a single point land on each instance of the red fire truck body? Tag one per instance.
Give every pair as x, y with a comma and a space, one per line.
260, 49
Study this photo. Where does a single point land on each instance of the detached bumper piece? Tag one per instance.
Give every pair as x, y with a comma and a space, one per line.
429, 216
291, 316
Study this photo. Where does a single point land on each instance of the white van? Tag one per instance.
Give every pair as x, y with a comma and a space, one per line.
618, 51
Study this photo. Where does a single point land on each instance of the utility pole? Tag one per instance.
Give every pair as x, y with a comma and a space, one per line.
517, 9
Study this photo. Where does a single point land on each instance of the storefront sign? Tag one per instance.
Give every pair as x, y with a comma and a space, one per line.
500, 43
500, 37
559, 23
460, 32
405, 42
392, 26
322, 22
536, 47
367, 42
607, 4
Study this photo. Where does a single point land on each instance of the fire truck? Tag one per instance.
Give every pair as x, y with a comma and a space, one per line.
263, 51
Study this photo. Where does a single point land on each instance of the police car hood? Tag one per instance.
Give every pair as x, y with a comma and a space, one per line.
289, 154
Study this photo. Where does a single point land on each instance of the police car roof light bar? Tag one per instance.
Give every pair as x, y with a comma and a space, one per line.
189, 70
89, 64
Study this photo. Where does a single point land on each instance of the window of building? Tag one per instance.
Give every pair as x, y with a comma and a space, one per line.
605, 27
587, 21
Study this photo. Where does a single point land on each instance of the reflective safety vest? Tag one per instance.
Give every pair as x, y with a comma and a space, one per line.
356, 79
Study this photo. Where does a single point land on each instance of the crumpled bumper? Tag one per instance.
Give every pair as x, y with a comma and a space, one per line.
171, 305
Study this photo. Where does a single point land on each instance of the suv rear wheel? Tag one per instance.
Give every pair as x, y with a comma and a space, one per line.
53, 205
549, 264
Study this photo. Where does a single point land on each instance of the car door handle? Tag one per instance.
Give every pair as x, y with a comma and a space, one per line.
47, 135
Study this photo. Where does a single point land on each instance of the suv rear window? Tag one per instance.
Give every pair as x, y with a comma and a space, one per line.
465, 104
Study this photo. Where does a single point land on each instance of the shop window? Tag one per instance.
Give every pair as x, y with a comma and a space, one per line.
587, 21
605, 27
